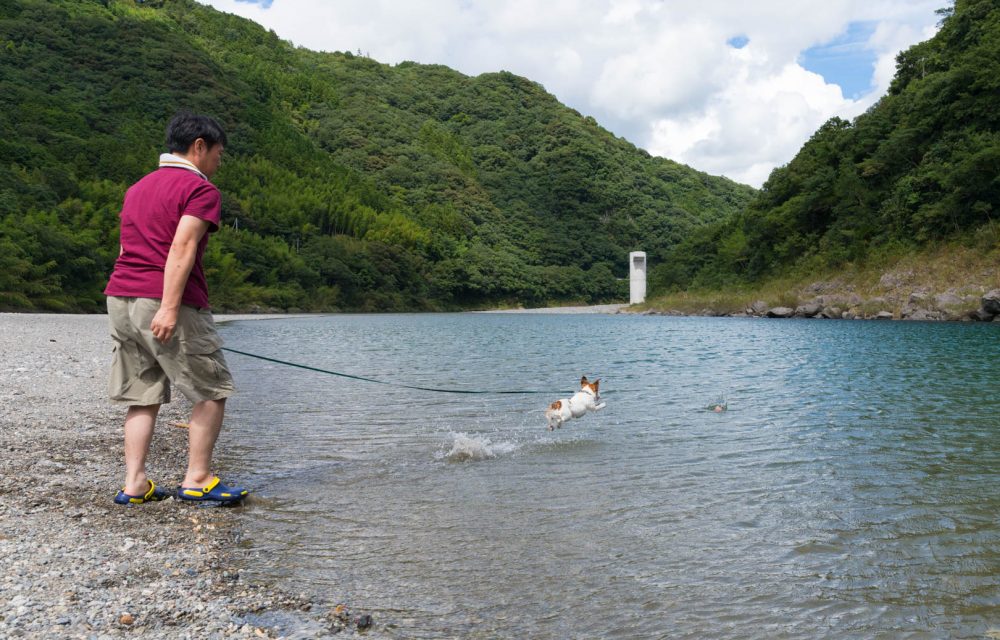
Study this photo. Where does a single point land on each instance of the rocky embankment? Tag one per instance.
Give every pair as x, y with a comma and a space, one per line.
896, 303
918, 306
75, 565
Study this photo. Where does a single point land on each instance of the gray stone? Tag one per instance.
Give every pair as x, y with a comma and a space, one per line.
780, 312
980, 315
758, 308
954, 314
884, 315
807, 310
947, 299
833, 313
922, 314
991, 302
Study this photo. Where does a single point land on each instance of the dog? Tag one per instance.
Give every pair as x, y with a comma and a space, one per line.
588, 398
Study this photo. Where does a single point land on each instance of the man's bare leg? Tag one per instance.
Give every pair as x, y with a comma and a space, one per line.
139, 424
203, 431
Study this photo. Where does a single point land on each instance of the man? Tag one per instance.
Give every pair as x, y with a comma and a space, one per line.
158, 310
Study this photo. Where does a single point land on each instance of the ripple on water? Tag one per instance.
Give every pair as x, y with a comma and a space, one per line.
849, 491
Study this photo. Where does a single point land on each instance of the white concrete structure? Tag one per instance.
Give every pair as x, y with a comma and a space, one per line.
637, 277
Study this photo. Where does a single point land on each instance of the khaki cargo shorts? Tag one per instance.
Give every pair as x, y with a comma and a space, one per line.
144, 368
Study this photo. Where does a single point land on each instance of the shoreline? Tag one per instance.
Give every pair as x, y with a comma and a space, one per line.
75, 565
597, 308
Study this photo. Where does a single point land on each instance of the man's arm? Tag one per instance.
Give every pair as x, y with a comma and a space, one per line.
180, 261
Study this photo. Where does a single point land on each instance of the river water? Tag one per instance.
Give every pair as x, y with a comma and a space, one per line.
850, 489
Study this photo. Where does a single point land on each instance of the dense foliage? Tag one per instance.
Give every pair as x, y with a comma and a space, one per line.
921, 165
346, 184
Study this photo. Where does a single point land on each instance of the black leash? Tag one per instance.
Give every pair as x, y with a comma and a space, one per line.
362, 378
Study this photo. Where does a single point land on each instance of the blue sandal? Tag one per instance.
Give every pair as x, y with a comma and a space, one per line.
153, 495
214, 491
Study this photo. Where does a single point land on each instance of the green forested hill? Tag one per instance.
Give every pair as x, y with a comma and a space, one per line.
922, 166
346, 184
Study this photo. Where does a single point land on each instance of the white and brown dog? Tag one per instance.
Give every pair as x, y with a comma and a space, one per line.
588, 398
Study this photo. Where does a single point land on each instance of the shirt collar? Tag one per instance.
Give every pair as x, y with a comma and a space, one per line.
170, 160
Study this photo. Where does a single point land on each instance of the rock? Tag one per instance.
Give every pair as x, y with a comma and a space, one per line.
991, 302
917, 305
980, 315
922, 314
364, 621
947, 299
780, 312
758, 308
953, 314
907, 311
126, 619
884, 315
832, 313
807, 310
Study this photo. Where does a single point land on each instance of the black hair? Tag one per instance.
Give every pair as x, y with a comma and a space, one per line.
186, 127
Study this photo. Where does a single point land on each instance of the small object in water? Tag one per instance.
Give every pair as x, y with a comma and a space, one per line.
180, 425
364, 621
719, 405
341, 613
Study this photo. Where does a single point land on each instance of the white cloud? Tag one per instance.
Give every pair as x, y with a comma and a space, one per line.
658, 73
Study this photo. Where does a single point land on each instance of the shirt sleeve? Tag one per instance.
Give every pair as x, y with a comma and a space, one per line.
205, 203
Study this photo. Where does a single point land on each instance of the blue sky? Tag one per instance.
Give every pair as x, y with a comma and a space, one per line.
847, 60
730, 88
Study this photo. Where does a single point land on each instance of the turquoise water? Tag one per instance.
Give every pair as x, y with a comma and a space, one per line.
849, 491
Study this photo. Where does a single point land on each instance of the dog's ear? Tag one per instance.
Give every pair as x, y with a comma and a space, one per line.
583, 381
596, 384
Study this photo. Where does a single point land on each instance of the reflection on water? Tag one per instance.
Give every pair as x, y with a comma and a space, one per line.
848, 491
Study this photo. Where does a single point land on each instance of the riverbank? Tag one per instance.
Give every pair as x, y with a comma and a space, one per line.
75, 565
947, 283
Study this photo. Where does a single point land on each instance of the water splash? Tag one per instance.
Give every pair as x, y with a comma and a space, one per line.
465, 447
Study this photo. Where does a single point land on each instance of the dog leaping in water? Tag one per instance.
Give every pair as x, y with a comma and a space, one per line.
588, 398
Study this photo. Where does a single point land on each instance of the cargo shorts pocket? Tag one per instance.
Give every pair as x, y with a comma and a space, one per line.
204, 360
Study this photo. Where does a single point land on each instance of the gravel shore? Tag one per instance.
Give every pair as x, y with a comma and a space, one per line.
597, 308
75, 565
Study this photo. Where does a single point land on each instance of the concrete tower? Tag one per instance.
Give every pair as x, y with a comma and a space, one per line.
637, 277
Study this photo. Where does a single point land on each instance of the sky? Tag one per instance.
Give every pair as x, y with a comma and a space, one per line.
729, 87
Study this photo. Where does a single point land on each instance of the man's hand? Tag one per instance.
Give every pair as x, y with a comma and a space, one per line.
163, 324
